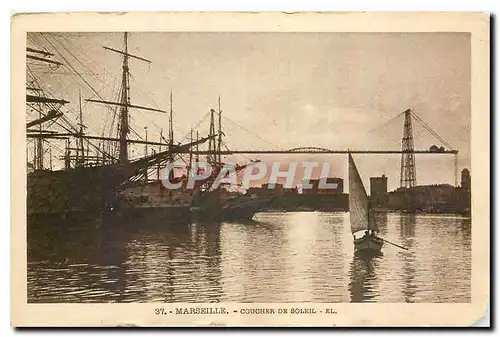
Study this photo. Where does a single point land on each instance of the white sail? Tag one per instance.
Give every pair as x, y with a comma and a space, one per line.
358, 200
372, 224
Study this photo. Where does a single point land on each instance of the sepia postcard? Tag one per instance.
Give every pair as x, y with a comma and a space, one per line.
250, 169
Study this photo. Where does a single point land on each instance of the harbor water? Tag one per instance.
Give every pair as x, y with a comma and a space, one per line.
277, 257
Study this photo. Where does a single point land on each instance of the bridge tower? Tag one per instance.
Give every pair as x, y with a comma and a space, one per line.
408, 171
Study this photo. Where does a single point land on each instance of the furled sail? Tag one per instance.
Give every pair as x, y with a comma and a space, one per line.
358, 200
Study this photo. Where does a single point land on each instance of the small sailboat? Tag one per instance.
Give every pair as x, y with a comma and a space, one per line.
363, 225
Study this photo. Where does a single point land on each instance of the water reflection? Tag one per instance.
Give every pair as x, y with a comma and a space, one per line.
406, 234
407, 225
278, 257
363, 277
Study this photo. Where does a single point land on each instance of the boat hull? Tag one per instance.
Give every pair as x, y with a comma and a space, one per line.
153, 203
211, 207
158, 215
92, 190
239, 214
243, 208
368, 243
87, 190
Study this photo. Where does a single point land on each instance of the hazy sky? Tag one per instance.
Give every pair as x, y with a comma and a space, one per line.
286, 89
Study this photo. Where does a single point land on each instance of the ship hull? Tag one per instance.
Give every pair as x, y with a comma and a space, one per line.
368, 243
211, 207
157, 215
88, 191
206, 207
241, 213
242, 208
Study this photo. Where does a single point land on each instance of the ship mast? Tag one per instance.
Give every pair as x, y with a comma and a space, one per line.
170, 158
39, 147
197, 157
171, 126
50, 158
212, 147
219, 141
67, 155
80, 154
158, 167
190, 151
124, 103
146, 153
37, 100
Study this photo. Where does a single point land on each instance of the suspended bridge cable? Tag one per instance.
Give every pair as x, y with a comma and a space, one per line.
188, 135
383, 125
250, 132
428, 128
237, 157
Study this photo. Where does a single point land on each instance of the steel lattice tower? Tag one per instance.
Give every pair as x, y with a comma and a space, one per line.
408, 170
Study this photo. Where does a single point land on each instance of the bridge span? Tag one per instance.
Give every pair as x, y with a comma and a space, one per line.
312, 150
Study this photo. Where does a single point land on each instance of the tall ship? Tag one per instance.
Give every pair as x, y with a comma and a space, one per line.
148, 200
220, 203
94, 176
